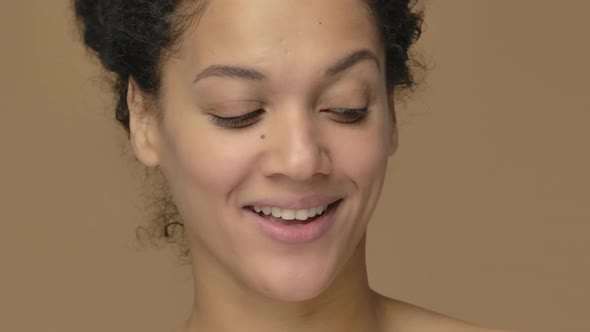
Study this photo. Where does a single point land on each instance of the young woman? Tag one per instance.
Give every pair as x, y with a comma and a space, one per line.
272, 122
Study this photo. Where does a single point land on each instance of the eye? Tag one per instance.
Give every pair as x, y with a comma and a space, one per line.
350, 115
241, 121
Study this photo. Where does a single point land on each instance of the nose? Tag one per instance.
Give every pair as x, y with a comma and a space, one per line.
296, 148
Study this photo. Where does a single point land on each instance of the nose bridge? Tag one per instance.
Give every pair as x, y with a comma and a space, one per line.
297, 150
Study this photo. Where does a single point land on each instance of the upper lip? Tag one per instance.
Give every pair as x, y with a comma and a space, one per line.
296, 202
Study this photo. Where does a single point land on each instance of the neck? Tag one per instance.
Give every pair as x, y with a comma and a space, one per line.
347, 305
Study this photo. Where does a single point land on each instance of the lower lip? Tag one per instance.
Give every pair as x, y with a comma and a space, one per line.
291, 234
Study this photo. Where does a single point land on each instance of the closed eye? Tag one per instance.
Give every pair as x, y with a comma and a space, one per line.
241, 121
344, 115
350, 115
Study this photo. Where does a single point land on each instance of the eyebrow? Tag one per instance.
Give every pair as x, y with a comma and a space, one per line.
350, 60
252, 74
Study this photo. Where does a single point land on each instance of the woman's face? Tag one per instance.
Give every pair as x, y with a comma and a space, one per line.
289, 60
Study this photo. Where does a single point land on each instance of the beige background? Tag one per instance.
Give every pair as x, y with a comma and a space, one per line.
485, 213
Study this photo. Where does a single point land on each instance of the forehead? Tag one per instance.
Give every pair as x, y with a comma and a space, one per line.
280, 36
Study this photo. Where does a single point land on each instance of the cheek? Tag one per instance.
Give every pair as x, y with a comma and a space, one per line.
363, 159
203, 169
203, 166
363, 155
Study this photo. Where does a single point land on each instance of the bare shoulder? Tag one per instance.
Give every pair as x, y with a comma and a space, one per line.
405, 317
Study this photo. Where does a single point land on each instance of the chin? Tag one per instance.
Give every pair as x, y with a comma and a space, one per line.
304, 285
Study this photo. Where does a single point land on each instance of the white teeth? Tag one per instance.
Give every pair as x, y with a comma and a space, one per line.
312, 212
287, 214
301, 214
321, 210
276, 212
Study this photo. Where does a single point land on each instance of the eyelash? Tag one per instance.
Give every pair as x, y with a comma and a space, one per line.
238, 121
352, 115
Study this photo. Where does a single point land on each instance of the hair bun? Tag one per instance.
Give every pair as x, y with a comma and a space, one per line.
100, 19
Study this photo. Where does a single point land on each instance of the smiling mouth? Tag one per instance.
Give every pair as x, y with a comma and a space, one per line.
294, 221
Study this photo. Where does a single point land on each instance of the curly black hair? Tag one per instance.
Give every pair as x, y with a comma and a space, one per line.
133, 38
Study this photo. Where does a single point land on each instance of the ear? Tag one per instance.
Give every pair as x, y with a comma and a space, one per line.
393, 137
143, 126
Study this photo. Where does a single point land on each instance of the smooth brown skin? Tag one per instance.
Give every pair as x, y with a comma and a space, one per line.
244, 281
